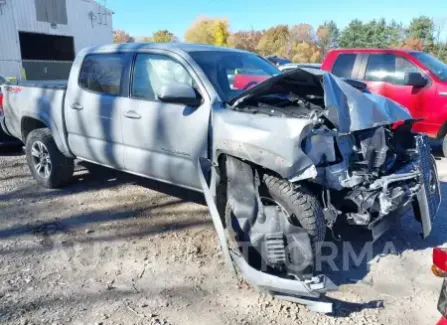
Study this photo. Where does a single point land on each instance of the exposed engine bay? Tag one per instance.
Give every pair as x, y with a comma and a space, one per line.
366, 168
366, 175
299, 153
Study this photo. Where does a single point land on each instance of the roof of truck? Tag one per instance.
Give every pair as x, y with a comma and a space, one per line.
185, 47
373, 50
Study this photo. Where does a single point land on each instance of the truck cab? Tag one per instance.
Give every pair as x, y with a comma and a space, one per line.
414, 79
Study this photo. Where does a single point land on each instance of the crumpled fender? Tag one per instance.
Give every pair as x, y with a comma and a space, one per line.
270, 142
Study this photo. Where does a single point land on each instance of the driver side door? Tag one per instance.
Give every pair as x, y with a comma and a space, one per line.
384, 74
163, 140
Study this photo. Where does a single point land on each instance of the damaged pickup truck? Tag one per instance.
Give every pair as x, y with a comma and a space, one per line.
279, 161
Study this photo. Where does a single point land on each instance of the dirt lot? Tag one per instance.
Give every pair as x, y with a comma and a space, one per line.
114, 249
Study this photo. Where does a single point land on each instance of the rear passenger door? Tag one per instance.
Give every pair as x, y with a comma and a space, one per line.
92, 108
164, 140
347, 65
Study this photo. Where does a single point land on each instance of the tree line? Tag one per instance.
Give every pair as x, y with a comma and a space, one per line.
303, 43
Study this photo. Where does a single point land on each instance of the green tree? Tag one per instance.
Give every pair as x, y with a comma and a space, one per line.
353, 35
327, 37
396, 34
422, 28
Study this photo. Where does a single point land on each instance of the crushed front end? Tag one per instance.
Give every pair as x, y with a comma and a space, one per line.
369, 176
299, 153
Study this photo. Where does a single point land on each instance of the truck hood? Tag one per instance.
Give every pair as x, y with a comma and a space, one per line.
347, 107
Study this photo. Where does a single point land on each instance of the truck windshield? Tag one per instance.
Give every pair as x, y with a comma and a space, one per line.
437, 67
233, 72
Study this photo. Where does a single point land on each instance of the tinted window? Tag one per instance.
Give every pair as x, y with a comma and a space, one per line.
344, 65
233, 72
388, 68
102, 73
434, 65
153, 71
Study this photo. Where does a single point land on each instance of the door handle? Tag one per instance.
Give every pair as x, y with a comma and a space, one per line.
443, 93
133, 115
77, 106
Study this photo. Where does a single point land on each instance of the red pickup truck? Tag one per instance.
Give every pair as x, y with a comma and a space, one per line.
414, 79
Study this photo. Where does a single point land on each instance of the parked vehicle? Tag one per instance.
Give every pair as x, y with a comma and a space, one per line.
291, 66
414, 79
439, 269
277, 60
278, 163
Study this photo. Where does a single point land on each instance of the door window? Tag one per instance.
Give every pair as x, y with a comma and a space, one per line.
388, 68
153, 71
102, 73
344, 65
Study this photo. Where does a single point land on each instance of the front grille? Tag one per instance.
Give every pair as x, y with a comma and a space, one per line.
429, 174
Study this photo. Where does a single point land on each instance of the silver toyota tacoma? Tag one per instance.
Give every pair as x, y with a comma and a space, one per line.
280, 158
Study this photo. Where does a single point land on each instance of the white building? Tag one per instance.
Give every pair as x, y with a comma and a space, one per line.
44, 36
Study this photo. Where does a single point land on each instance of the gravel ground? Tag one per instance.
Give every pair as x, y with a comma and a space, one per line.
115, 249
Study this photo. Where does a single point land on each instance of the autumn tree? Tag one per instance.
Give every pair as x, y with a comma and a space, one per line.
413, 44
163, 36
221, 32
327, 37
120, 36
208, 31
422, 28
245, 40
305, 52
274, 41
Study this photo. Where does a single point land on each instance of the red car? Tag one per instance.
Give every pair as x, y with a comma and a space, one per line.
414, 79
439, 269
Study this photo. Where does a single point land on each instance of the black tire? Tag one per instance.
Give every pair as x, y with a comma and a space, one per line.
444, 146
61, 171
301, 204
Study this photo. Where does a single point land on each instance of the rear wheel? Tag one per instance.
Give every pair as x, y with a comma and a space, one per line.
49, 167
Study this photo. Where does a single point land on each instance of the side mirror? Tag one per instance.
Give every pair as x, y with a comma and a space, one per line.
178, 93
415, 79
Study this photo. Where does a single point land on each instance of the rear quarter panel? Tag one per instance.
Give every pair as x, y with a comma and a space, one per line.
40, 103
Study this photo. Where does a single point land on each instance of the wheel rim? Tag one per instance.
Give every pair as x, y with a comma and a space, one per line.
41, 159
270, 201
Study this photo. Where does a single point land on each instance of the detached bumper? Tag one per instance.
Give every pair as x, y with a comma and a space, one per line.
428, 200
301, 291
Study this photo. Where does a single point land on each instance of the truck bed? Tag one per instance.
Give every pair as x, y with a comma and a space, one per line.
58, 84
30, 101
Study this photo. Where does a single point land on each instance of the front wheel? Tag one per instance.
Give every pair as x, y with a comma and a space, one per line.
301, 206
444, 146
49, 167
